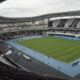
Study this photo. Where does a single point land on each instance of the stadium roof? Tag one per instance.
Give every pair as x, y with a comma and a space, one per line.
30, 8
46, 16
2, 1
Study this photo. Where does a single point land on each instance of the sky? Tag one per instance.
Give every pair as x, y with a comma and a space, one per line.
30, 8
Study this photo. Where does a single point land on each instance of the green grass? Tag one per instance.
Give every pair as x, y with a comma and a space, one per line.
60, 49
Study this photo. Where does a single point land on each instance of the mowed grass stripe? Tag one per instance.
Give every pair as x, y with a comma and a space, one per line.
60, 49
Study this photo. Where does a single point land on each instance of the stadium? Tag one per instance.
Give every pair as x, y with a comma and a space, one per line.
45, 47
39, 40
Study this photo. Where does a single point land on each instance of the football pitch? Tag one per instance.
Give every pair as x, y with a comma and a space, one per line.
59, 49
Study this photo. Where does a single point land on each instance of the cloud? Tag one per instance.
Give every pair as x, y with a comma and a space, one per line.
28, 8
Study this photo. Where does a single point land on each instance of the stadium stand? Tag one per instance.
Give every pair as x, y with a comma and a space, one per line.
56, 23
78, 25
62, 23
74, 23
68, 23
10, 73
77, 77
50, 23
